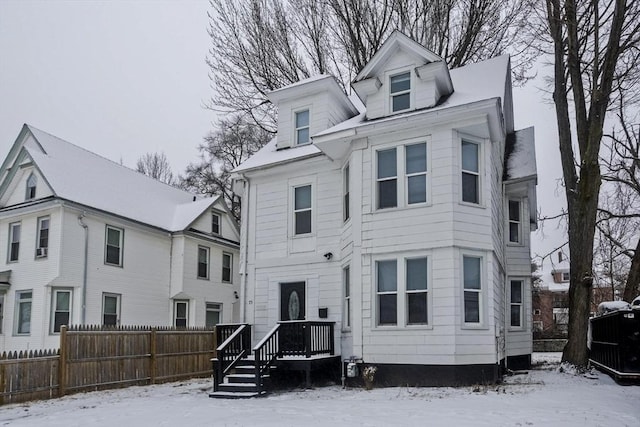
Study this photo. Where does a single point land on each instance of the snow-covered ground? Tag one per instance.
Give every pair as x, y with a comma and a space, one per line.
545, 396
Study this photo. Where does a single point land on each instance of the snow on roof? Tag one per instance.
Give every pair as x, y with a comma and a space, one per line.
549, 266
494, 73
520, 154
84, 177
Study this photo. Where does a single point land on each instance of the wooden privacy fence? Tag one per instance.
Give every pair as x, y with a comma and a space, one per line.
96, 358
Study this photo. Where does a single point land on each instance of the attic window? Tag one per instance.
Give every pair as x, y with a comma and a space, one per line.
302, 127
400, 90
32, 181
215, 223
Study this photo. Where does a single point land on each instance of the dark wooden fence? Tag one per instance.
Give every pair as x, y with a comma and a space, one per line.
96, 358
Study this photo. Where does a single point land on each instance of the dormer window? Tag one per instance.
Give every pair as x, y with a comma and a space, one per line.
302, 127
215, 223
32, 181
400, 90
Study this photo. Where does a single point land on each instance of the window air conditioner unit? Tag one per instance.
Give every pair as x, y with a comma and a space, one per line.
41, 252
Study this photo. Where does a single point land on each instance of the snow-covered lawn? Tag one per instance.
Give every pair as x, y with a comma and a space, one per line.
542, 397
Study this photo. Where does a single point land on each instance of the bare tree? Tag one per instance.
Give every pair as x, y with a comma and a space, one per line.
224, 149
262, 45
157, 167
595, 52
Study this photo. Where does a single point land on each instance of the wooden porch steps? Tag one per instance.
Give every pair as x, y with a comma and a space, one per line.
241, 384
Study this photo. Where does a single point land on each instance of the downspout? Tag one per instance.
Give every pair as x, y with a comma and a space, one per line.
245, 241
84, 272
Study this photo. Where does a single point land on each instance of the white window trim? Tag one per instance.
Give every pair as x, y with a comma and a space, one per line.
209, 307
16, 315
520, 241
207, 274
292, 203
230, 255
402, 178
42, 251
411, 91
11, 234
296, 129
28, 187
346, 193
347, 301
473, 140
402, 300
118, 298
54, 298
482, 300
219, 232
121, 245
175, 311
522, 304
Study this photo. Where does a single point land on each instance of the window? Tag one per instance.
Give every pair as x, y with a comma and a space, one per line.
23, 312
302, 210
346, 279
470, 172
387, 289
387, 179
213, 314
32, 183
516, 287
416, 171
43, 237
203, 262
345, 188
1, 311
180, 313
400, 90
14, 241
514, 221
472, 289
416, 282
110, 309
226, 266
113, 247
215, 223
302, 127
566, 276
60, 310
536, 312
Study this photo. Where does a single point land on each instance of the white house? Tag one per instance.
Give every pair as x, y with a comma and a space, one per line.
402, 215
88, 241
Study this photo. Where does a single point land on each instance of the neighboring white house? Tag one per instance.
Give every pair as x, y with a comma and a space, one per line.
88, 241
404, 216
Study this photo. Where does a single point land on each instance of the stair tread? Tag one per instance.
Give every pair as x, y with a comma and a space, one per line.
236, 395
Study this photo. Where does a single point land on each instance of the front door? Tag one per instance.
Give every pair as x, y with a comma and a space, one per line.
292, 301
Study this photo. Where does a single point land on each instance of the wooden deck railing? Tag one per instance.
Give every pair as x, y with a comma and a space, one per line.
266, 352
306, 338
233, 349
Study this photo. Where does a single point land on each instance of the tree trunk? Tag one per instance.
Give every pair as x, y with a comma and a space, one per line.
632, 287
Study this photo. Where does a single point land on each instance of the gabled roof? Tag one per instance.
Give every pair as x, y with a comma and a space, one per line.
83, 177
520, 155
396, 41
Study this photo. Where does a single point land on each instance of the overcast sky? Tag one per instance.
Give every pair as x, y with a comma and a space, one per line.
124, 78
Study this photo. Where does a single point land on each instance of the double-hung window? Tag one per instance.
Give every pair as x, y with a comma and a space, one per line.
416, 283
345, 189
302, 210
1, 311
32, 183
302, 127
215, 223
416, 172
113, 246
472, 289
346, 279
514, 221
400, 91
23, 312
14, 241
203, 262
43, 237
180, 313
387, 292
110, 309
61, 309
213, 314
470, 172
387, 178
516, 287
227, 259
